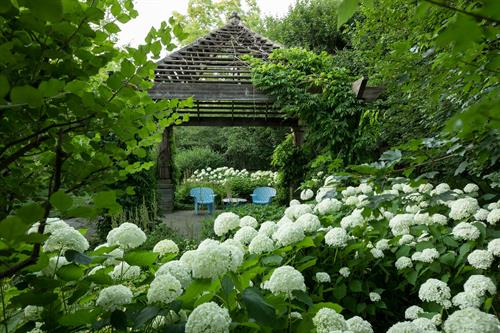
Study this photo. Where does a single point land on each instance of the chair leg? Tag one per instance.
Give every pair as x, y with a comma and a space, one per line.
196, 209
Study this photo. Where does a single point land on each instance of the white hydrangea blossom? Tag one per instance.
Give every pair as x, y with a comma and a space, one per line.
209, 261
382, 244
295, 315
324, 192
328, 206
164, 289
376, 253
284, 281
166, 246
294, 212
434, 290
471, 188
400, 224
294, 202
403, 262
375, 297
493, 216
494, 247
466, 231
32, 312
236, 255
359, 325
471, 320
52, 224
178, 269
423, 218
126, 236
349, 191
413, 312
249, 221
365, 188
328, 320
113, 297
352, 201
288, 233
481, 214
440, 189
66, 238
309, 223
425, 188
337, 237
54, 264
208, 318
404, 327
268, 228
245, 235
261, 244
226, 222
323, 277
113, 257
463, 208
479, 285
466, 300
124, 271
351, 221
406, 239
480, 259
345, 272
427, 255
412, 209
425, 324
306, 194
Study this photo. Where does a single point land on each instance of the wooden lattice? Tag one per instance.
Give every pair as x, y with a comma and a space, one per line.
212, 72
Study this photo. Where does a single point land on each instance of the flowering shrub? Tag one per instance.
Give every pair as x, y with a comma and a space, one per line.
223, 175
399, 256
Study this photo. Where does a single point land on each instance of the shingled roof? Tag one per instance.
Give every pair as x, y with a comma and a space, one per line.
211, 71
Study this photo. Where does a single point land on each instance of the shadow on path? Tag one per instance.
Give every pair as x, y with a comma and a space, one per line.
186, 223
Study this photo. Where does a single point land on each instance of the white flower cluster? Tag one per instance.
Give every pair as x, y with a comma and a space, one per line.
126, 236
413, 312
164, 289
268, 228
434, 290
309, 223
245, 235
463, 208
328, 320
345, 272
337, 237
51, 224
403, 262
480, 259
223, 174
284, 281
249, 221
494, 247
328, 206
400, 224
124, 271
471, 320
466, 231
306, 194
178, 269
427, 255
323, 277
208, 318
493, 216
295, 211
288, 233
261, 244
374, 297
66, 238
226, 222
54, 264
166, 246
113, 297
351, 221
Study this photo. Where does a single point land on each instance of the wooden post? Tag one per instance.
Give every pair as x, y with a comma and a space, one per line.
165, 183
298, 140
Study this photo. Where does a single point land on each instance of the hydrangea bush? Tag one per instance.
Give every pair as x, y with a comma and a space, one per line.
395, 256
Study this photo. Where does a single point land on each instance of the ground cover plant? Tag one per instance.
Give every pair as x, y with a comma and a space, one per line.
400, 255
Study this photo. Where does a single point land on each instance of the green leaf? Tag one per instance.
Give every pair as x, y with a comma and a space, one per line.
227, 286
356, 286
13, 229
61, 200
4, 86
140, 257
30, 213
411, 277
339, 291
70, 272
127, 68
101, 277
119, 320
346, 10
77, 257
51, 87
272, 260
145, 315
112, 28
318, 306
50, 10
257, 307
26, 95
305, 243
195, 290
106, 199
448, 259
79, 317
34, 298
302, 297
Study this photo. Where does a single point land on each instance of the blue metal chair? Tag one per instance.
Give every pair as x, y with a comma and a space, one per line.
203, 196
263, 195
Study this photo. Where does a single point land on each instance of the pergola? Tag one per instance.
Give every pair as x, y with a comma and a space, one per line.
212, 72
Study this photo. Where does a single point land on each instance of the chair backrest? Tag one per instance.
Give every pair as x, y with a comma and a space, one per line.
264, 193
202, 194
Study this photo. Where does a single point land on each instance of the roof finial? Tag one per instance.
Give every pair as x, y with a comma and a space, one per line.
234, 18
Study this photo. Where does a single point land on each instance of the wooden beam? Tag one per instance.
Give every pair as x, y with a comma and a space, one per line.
364, 92
240, 121
212, 91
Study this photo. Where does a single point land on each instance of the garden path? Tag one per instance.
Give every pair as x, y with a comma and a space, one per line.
186, 223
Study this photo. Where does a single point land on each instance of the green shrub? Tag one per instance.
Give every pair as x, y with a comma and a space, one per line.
182, 200
161, 232
187, 161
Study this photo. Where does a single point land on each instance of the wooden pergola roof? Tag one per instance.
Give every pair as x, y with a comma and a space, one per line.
212, 72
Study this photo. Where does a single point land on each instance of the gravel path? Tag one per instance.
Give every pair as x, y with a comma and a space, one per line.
186, 223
